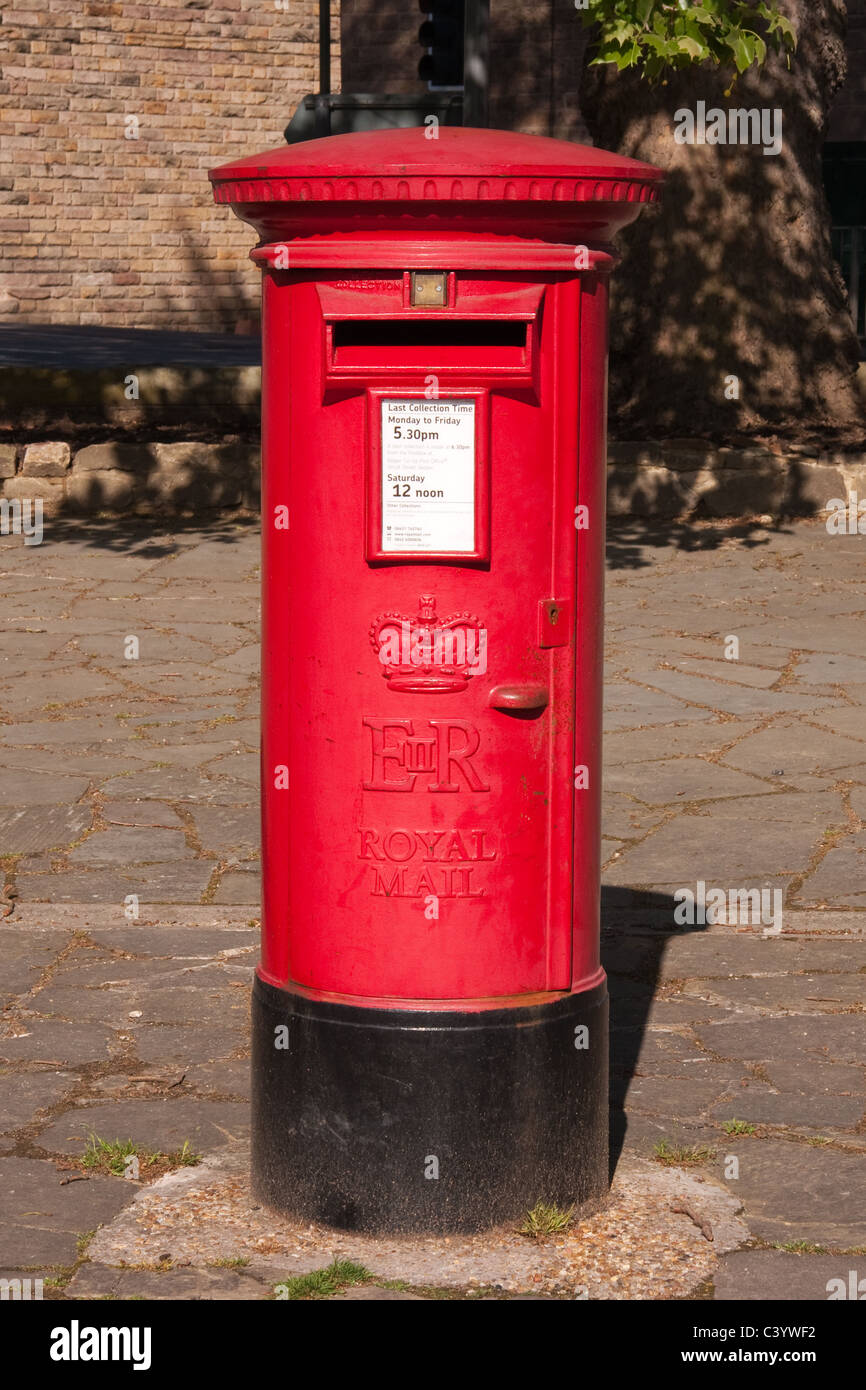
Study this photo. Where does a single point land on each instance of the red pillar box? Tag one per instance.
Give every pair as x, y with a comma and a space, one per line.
430, 1014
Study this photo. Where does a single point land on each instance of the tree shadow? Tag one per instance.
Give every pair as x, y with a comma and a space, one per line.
631, 539
687, 480
148, 537
216, 491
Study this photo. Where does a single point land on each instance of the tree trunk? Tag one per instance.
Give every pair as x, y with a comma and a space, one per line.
732, 275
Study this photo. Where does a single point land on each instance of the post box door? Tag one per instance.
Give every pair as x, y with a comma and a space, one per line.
430, 825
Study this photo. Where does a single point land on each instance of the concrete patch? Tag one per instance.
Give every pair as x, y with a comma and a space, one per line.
616, 1254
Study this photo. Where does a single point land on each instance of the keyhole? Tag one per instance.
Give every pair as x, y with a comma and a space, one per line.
554, 614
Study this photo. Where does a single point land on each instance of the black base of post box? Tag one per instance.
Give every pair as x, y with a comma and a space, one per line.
398, 1120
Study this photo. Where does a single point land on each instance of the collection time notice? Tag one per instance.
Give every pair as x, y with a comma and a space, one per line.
428, 476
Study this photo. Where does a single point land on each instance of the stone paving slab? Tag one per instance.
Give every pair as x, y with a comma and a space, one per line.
796, 1191
659, 783
95, 1281
792, 748
803, 1111
44, 1040
25, 1096
158, 1125
131, 845
726, 953
42, 1217
735, 841
633, 746
803, 994
841, 875
148, 1001
161, 883
841, 1037
238, 887
25, 957
24, 830
761, 1275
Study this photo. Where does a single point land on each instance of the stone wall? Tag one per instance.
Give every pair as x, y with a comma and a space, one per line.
112, 113
126, 479
689, 478
683, 479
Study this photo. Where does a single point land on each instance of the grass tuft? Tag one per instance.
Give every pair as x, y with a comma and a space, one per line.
682, 1155
323, 1283
739, 1127
546, 1219
111, 1155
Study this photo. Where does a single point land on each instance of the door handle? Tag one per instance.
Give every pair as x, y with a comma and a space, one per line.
526, 696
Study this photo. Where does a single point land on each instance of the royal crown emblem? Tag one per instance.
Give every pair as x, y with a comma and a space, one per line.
427, 653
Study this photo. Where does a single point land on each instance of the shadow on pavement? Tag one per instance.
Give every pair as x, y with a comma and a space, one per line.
628, 539
636, 927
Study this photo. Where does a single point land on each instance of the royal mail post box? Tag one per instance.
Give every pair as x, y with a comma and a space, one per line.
430, 1014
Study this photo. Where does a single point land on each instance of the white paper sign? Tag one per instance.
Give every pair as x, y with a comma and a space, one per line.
428, 476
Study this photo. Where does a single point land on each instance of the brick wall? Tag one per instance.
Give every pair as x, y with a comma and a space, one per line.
380, 46
103, 229
536, 57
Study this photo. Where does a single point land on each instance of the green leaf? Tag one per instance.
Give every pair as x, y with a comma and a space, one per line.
788, 30
780, 24
614, 53
606, 52
692, 48
742, 49
620, 31
660, 35
694, 31
657, 44
630, 57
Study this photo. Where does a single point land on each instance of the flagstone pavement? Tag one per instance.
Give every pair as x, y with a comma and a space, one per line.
735, 757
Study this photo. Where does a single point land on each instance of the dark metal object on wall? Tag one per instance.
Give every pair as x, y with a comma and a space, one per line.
476, 63
340, 113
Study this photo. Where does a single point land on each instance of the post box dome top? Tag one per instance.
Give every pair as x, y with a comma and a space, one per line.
460, 164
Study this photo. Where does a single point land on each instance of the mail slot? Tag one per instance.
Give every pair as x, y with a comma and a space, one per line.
430, 1013
477, 336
